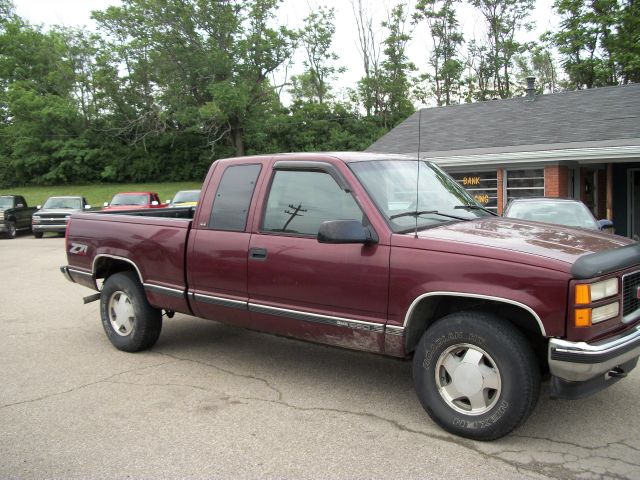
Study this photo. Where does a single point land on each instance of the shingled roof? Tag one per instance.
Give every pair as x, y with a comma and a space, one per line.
608, 116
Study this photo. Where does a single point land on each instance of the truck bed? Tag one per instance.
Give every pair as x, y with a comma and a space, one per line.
153, 241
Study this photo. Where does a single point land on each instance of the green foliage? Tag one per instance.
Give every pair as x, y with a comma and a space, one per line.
599, 41
446, 79
168, 86
504, 18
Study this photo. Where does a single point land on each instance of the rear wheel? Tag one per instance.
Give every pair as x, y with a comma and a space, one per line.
130, 322
476, 375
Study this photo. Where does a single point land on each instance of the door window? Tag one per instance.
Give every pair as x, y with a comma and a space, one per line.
299, 201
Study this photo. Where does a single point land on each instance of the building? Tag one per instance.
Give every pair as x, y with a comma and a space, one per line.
583, 144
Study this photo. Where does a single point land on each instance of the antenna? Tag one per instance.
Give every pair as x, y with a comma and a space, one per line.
415, 233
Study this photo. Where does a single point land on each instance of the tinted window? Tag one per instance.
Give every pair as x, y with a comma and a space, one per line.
122, 199
300, 201
231, 205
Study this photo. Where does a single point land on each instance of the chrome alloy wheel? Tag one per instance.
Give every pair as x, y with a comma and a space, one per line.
468, 379
121, 313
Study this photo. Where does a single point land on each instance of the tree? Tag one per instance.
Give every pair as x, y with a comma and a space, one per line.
440, 17
369, 87
504, 18
538, 62
396, 69
316, 38
599, 41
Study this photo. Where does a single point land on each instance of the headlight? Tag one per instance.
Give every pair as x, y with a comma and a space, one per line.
35, 219
606, 312
592, 292
1, 215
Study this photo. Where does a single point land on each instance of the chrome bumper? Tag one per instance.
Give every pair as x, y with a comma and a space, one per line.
581, 361
49, 228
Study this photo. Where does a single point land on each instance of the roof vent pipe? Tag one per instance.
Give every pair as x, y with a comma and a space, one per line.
531, 88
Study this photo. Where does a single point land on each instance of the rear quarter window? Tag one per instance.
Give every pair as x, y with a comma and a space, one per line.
233, 197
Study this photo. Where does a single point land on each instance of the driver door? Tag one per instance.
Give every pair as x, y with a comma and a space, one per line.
329, 293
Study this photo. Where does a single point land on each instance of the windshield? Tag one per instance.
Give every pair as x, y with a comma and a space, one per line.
62, 202
392, 186
6, 202
130, 199
571, 214
186, 196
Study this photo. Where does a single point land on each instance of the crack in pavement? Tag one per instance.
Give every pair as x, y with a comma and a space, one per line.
463, 443
577, 445
79, 387
224, 370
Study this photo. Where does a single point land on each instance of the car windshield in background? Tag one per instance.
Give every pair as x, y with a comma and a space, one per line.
392, 185
6, 202
571, 214
60, 202
186, 196
128, 199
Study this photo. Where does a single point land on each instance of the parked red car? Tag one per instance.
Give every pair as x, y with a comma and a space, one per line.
134, 200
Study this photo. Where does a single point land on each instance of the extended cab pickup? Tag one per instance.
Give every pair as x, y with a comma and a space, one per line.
384, 254
14, 214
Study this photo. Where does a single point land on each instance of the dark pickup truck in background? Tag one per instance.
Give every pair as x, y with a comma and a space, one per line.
380, 253
15, 215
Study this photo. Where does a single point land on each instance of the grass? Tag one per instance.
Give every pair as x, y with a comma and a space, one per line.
97, 194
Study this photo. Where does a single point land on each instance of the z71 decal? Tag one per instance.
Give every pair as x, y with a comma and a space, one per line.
78, 249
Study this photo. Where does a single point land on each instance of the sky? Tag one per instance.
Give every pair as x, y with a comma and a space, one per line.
292, 13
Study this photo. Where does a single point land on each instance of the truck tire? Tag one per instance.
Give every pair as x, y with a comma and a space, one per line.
11, 229
130, 322
37, 234
476, 375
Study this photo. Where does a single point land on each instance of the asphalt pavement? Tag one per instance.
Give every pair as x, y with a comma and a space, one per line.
215, 401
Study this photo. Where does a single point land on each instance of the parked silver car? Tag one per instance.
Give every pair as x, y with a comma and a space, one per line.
54, 214
562, 211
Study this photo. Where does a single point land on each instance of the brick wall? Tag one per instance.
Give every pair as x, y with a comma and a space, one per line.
556, 180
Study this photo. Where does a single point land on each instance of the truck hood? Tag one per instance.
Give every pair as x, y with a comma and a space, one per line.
57, 211
510, 235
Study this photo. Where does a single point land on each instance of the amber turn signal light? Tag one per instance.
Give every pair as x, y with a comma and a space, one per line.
583, 317
583, 294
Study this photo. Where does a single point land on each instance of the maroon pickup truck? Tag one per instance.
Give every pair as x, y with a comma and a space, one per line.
380, 253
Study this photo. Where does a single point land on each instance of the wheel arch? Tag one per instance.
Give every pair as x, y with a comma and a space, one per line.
429, 307
105, 265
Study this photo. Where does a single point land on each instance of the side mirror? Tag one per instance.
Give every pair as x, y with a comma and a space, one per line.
344, 231
38, 207
605, 225
154, 203
105, 204
87, 207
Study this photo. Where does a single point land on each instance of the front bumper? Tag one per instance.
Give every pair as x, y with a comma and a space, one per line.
49, 228
580, 368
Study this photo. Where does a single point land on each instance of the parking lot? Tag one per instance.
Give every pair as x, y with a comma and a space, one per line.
213, 401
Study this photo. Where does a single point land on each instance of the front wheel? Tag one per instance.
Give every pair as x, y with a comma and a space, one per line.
130, 322
476, 375
11, 229
37, 234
